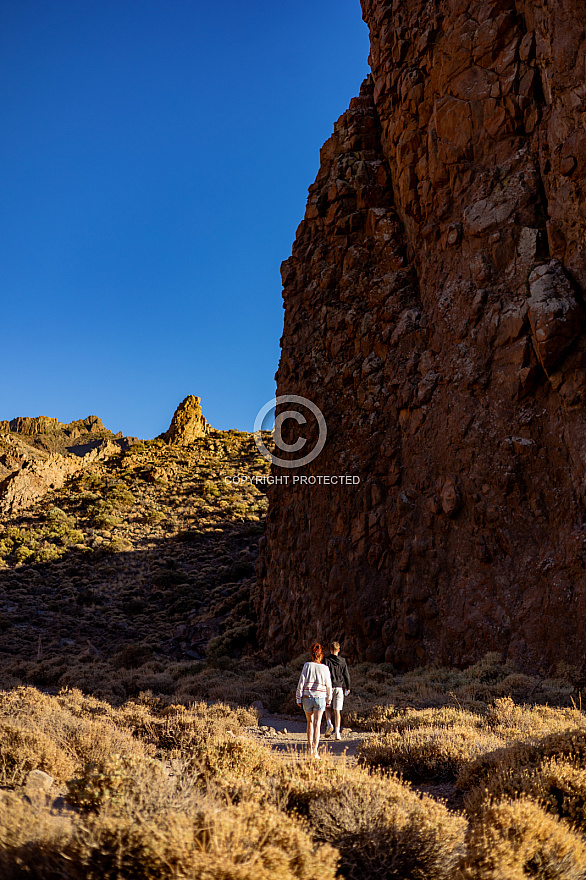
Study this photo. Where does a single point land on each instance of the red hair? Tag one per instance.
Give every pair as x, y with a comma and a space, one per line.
317, 652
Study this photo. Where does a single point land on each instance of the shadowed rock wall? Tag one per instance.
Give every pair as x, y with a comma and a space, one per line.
434, 312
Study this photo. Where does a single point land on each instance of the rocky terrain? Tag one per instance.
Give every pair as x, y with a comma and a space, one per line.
145, 743
130, 553
434, 312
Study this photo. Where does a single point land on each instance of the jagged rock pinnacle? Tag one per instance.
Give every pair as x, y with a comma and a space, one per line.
188, 423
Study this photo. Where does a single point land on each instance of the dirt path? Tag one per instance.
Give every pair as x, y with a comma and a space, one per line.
271, 732
286, 734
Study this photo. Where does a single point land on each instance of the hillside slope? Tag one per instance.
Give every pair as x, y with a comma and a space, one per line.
141, 554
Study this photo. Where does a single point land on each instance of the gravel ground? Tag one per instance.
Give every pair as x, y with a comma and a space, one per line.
287, 734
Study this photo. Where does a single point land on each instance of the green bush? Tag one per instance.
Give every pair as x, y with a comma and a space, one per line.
231, 642
103, 514
24, 554
58, 520
132, 656
49, 553
120, 497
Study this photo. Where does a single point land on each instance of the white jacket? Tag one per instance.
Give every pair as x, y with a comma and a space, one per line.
315, 681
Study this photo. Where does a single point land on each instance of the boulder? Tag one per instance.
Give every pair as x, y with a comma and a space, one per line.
554, 314
37, 783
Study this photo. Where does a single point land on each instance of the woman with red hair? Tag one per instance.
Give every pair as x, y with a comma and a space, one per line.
314, 693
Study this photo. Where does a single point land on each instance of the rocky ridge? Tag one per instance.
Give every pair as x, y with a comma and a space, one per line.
434, 312
41, 453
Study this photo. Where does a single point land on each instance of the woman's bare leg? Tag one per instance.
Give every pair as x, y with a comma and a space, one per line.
316, 726
309, 717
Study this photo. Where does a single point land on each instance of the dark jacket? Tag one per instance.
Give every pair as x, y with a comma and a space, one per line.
339, 671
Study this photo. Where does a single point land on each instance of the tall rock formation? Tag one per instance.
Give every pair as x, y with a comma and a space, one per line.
434, 312
188, 423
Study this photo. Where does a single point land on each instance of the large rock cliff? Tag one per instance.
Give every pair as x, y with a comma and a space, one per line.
434, 312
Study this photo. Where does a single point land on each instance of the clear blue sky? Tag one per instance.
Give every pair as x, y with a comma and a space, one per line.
154, 163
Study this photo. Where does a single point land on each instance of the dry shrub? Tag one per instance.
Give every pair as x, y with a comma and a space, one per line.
245, 681
190, 729
31, 841
427, 753
380, 826
114, 781
444, 717
58, 735
82, 705
246, 842
275, 686
388, 718
377, 695
438, 745
24, 748
517, 839
379, 838
94, 741
209, 841
97, 678
375, 718
519, 756
63, 734
172, 728
513, 721
559, 787
240, 759
234, 809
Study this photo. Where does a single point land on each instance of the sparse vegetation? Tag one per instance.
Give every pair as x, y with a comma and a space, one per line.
159, 790
134, 549
129, 596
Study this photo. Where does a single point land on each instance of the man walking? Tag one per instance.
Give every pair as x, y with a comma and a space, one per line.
340, 688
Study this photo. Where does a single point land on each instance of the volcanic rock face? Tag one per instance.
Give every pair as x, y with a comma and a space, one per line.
433, 311
188, 423
39, 473
47, 425
40, 454
50, 435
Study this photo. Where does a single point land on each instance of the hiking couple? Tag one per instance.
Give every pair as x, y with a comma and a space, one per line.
322, 687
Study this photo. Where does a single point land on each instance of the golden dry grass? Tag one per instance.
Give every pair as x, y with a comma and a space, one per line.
166, 790
207, 839
516, 839
442, 745
190, 796
380, 826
